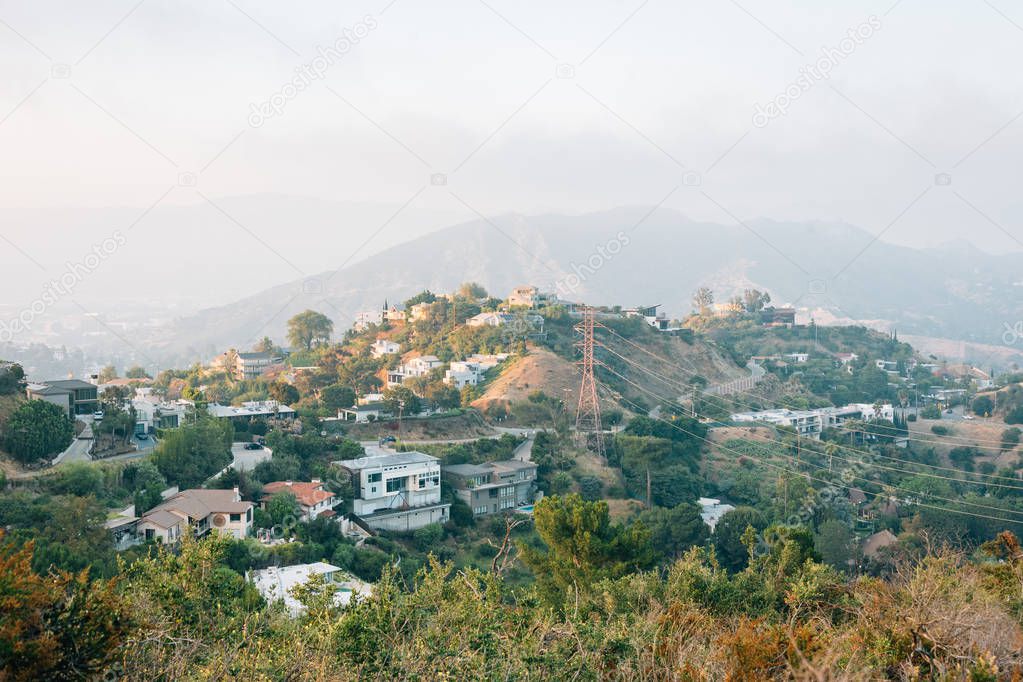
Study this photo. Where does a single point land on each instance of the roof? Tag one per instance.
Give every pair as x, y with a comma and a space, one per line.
200, 503
255, 356
308, 494
254, 409
387, 459
162, 518
70, 384
43, 389
488, 467
276, 583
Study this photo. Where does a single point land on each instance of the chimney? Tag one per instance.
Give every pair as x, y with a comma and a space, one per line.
237, 494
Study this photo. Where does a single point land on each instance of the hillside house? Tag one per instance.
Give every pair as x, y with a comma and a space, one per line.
382, 347
397, 491
313, 499
492, 487
204, 510
364, 319
277, 584
72, 395
416, 367
531, 297
778, 317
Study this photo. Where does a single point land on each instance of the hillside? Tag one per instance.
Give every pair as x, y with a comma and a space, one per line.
660, 258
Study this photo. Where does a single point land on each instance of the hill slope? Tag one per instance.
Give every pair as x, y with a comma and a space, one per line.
648, 257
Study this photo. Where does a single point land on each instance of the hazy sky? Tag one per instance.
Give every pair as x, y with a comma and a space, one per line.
524, 106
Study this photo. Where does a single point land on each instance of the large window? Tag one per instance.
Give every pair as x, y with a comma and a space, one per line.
374, 478
395, 484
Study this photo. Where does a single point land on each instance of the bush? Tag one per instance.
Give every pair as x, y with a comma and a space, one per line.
940, 430
428, 536
931, 412
590, 488
36, 430
1010, 438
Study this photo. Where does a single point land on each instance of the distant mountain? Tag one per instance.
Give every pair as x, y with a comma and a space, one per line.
636, 255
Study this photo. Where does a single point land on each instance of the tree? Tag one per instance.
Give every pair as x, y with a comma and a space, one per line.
309, 328
61, 626
673, 531
337, 396
754, 301
266, 345
834, 541
284, 393
982, 406
108, 373
11, 376
472, 290
582, 547
703, 299
36, 430
137, 372
731, 550
403, 395
282, 506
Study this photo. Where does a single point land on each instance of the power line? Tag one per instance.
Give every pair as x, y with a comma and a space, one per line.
902, 471
832, 483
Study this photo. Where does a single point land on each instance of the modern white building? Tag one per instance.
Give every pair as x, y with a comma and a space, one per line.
531, 297
416, 367
398, 491
278, 583
810, 423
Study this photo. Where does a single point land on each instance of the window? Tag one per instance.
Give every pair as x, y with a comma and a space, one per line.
493, 492
374, 478
395, 484
236, 518
479, 510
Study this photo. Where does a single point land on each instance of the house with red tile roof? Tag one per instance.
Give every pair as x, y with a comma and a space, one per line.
312, 497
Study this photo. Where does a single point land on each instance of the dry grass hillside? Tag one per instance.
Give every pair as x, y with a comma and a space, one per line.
538, 370
675, 360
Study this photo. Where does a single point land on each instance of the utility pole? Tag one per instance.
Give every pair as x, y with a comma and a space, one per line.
587, 418
401, 410
648, 503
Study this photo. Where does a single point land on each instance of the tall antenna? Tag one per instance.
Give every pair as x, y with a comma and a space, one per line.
587, 417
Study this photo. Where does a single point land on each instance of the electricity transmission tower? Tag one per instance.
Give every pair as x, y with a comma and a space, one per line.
587, 417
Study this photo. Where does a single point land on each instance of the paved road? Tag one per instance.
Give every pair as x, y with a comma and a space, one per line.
78, 451
524, 452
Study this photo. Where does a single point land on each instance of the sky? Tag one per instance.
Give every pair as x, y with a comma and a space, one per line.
128, 115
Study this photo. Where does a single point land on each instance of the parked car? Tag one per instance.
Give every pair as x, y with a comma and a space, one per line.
143, 436
98, 415
253, 446
387, 439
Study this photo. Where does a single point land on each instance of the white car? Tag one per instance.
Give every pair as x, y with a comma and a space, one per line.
98, 415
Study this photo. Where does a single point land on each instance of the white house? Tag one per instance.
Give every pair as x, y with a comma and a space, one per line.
368, 317
419, 311
361, 414
278, 583
382, 347
463, 373
416, 367
711, 511
398, 491
487, 319
810, 423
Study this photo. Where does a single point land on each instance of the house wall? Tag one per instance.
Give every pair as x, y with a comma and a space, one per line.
411, 519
